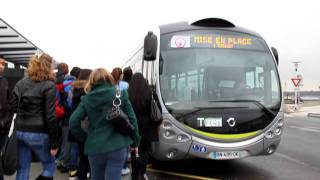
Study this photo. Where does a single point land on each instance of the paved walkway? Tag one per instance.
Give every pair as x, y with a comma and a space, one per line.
36, 169
304, 111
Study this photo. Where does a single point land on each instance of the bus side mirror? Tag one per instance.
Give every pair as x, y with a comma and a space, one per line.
150, 47
275, 53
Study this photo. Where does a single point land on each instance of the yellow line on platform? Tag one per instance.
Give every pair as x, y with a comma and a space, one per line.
179, 174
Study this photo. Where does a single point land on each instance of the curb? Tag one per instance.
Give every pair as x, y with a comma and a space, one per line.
316, 115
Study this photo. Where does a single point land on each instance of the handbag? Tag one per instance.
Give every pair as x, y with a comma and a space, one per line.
118, 118
155, 112
9, 150
137, 165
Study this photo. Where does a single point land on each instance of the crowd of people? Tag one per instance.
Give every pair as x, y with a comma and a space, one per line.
61, 121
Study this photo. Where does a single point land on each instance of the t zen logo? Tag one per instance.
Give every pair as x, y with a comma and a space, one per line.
209, 122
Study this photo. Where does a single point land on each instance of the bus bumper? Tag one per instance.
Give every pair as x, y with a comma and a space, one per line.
201, 148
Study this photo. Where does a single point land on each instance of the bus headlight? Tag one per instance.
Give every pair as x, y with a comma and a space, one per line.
166, 124
169, 134
280, 123
278, 131
182, 138
269, 134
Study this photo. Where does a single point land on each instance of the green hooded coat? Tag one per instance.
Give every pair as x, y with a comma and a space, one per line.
101, 136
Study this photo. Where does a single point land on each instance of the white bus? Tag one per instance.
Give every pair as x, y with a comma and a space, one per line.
218, 87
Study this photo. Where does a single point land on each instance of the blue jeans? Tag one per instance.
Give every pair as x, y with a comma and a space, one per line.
38, 143
108, 165
74, 154
64, 155
2, 137
126, 165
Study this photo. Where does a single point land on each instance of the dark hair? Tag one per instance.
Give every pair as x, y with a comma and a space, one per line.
2, 60
137, 85
116, 73
84, 74
127, 74
63, 68
75, 72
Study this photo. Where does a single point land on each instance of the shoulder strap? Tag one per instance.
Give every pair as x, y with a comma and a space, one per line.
117, 98
118, 92
11, 131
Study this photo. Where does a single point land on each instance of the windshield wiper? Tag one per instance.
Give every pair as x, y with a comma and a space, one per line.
257, 103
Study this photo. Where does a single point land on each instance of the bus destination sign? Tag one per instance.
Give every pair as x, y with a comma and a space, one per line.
211, 41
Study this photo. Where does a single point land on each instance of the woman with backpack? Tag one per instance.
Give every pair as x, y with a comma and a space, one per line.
105, 146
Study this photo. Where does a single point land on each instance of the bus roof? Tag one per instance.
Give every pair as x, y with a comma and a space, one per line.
205, 24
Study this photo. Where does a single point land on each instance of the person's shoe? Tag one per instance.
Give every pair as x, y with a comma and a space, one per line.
59, 165
63, 169
125, 171
88, 175
145, 177
73, 174
44, 178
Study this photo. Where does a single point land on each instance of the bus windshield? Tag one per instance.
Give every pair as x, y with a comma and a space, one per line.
206, 68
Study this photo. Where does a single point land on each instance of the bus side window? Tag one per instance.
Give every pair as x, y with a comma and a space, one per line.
172, 88
147, 71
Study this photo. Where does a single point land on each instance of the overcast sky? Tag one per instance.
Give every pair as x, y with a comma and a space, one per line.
104, 33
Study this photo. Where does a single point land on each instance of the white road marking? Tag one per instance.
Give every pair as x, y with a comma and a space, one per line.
289, 158
288, 115
296, 161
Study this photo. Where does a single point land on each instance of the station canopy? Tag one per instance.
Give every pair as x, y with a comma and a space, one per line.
14, 47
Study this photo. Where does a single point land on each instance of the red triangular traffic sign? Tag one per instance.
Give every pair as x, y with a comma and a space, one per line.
296, 81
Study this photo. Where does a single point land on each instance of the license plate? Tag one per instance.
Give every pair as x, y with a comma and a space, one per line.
226, 155
213, 122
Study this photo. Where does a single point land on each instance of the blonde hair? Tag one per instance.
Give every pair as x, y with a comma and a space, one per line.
40, 68
97, 76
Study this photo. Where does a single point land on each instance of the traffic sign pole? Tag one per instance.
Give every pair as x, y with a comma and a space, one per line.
296, 98
296, 82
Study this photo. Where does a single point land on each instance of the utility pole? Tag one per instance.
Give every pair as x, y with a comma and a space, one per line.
296, 89
285, 90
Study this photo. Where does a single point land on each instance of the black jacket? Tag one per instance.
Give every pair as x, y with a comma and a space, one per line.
148, 130
4, 107
77, 93
37, 108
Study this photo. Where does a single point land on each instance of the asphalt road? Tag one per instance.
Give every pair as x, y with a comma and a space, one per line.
296, 158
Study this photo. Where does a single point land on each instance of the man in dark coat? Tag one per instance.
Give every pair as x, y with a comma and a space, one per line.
4, 107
